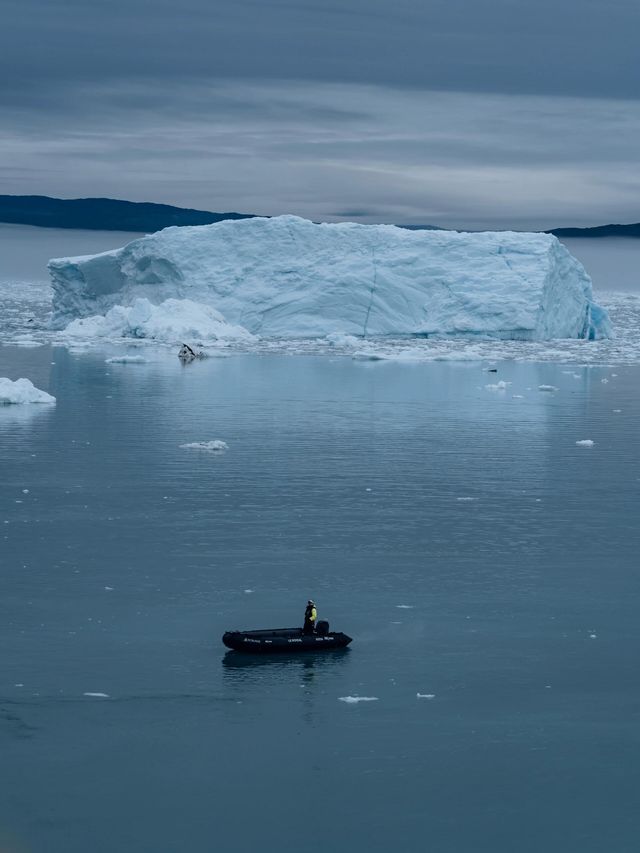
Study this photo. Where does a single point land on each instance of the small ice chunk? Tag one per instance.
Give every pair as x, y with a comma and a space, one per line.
404, 606
25, 491
498, 386
126, 359
22, 391
248, 591
353, 700
593, 636
339, 339
517, 396
585, 442
215, 446
425, 695
97, 695
547, 388
108, 588
465, 499
604, 381
617, 411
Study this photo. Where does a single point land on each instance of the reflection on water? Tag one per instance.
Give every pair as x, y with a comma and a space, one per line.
308, 661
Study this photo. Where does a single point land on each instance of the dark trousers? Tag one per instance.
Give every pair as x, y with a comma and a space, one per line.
309, 627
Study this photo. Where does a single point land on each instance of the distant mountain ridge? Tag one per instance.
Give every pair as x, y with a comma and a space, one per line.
102, 214
109, 214
632, 230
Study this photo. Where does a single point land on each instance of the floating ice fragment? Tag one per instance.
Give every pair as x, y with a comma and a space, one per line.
215, 446
617, 411
517, 396
248, 591
171, 321
109, 588
97, 695
593, 636
425, 695
352, 700
25, 491
22, 391
126, 359
404, 606
498, 386
465, 499
547, 388
338, 339
604, 381
585, 442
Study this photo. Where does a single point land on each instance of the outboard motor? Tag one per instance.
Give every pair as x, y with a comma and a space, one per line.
322, 628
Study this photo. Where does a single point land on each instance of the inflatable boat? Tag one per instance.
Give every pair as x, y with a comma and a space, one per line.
286, 640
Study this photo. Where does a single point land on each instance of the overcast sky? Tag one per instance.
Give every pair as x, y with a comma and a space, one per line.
467, 113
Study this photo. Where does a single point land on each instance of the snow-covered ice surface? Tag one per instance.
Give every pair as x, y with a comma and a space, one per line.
287, 277
22, 391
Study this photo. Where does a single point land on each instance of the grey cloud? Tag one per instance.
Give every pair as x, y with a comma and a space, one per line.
577, 47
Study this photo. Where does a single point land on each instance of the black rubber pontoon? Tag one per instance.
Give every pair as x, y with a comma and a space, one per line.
284, 640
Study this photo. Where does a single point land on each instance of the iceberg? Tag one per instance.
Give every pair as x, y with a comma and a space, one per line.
22, 391
287, 277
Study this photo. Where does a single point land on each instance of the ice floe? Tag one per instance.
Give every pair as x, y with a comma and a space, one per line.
216, 446
353, 700
126, 359
585, 442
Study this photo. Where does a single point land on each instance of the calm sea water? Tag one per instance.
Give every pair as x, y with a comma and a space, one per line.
476, 554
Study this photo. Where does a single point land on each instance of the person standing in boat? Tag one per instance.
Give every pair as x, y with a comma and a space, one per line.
310, 616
